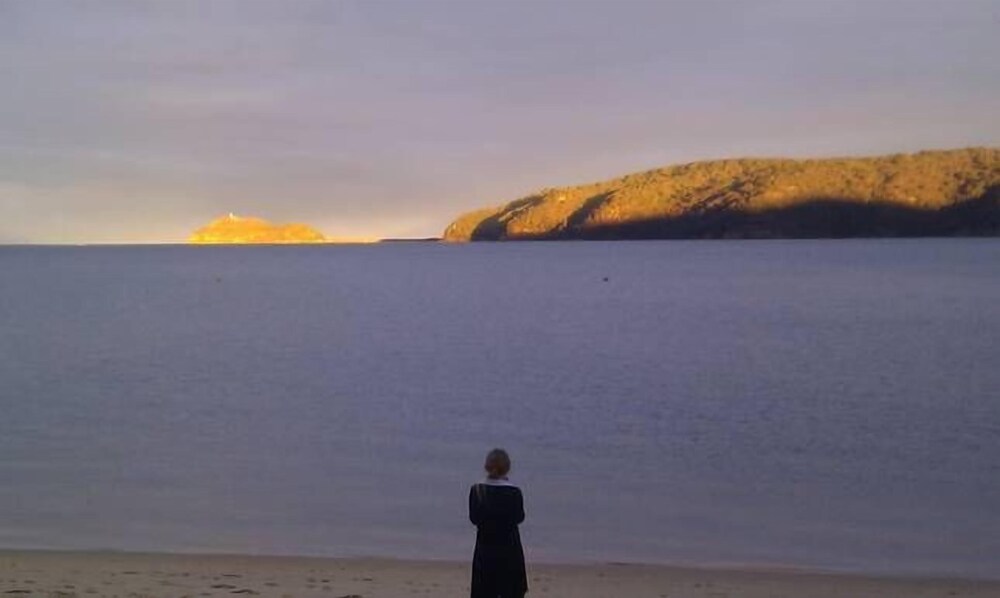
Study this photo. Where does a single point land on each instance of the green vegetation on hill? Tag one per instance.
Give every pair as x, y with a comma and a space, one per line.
234, 229
954, 192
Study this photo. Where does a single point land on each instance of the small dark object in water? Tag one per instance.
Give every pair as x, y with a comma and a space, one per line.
605, 279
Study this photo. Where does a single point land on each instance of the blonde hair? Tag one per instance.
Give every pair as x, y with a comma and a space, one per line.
497, 463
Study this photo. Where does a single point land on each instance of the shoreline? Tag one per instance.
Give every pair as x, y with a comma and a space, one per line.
105, 573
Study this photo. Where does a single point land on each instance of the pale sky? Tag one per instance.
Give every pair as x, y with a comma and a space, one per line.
138, 121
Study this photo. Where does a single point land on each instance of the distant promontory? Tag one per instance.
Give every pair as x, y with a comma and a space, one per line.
930, 193
239, 230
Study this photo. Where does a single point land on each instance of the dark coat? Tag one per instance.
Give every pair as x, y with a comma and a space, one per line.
498, 562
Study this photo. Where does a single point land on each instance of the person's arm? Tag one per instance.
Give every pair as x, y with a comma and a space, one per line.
519, 508
475, 509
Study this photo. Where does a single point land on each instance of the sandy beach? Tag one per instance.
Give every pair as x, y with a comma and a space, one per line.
126, 575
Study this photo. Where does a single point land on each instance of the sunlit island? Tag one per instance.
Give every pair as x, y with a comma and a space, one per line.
241, 230
929, 193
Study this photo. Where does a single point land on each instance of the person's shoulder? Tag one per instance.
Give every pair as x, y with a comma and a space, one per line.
501, 485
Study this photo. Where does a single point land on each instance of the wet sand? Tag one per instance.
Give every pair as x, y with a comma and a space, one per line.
127, 575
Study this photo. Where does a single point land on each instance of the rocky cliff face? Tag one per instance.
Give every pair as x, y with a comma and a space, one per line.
953, 192
234, 229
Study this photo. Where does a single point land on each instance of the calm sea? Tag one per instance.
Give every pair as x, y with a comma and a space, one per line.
831, 404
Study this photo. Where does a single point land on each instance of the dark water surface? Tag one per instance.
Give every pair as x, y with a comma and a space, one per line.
817, 403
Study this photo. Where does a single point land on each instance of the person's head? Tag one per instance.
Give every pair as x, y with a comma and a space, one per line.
497, 464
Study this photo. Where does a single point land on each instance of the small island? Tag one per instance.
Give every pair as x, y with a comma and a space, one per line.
239, 230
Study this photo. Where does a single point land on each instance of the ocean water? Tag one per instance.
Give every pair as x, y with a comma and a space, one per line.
830, 404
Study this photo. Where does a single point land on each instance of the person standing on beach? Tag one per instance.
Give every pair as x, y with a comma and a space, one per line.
496, 507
